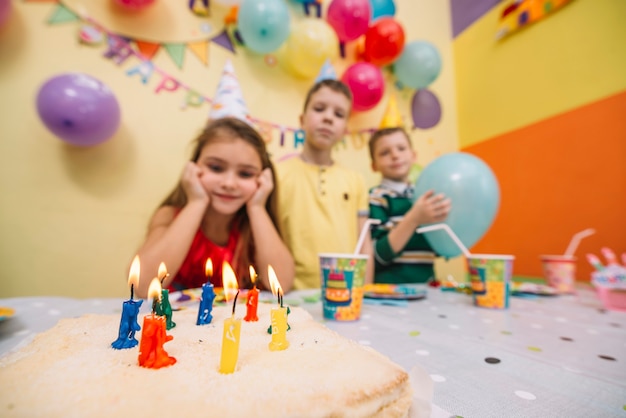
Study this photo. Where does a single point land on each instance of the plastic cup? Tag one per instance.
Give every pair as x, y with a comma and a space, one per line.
560, 272
490, 279
343, 280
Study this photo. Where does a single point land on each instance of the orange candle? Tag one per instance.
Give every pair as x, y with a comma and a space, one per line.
153, 335
253, 299
232, 326
278, 315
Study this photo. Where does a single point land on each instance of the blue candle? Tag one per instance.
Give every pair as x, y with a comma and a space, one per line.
130, 310
206, 300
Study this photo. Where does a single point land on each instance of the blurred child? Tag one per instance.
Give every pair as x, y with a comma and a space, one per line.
401, 255
223, 208
322, 204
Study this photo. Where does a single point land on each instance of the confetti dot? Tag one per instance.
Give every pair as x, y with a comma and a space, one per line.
492, 360
615, 324
365, 342
537, 349
414, 333
566, 339
506, 332
422, 352
205, 28
603, 357
525, 395
437, 378
442, 316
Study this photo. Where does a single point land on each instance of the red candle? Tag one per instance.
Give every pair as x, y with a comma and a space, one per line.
253, 299
153, 335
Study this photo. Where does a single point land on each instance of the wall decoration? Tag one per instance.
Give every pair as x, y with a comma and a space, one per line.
518, 14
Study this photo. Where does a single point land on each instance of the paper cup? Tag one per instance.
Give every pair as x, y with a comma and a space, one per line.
490, 279
343, 280
560, 272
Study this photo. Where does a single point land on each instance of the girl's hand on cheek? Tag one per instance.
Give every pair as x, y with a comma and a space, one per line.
266, 185
191, 181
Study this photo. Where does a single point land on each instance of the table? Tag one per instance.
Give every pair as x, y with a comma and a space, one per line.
544, 356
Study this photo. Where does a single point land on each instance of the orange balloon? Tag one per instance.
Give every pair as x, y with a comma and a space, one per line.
384, 41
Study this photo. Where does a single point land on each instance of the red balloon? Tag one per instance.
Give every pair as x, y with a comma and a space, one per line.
384, 41
134, 4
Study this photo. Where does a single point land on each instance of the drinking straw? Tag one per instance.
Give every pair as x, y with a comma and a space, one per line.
573, 244
364, 231
450, 232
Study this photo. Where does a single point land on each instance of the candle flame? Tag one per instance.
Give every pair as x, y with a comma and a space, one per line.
252, 275
154, 291
208, 268
229, 281
274, 283
133, 275
162, 271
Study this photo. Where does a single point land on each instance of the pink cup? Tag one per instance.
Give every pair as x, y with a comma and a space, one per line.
560, 272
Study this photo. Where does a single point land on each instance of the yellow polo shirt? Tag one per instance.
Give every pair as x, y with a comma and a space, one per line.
318, 210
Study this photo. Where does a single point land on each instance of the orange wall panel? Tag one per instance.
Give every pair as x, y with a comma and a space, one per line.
558, 177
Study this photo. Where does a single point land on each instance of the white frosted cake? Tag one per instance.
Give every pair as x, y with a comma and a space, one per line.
72, 371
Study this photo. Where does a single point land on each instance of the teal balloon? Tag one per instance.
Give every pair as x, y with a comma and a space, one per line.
263, 24
475, 195
418, 65
382, 8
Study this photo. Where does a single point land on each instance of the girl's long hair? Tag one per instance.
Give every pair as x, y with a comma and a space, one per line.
229, 128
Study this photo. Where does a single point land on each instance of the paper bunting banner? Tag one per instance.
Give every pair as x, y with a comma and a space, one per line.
521, 13
62, 15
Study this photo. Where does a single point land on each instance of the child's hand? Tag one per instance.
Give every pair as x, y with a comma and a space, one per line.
431, 208
266, 185
191, 183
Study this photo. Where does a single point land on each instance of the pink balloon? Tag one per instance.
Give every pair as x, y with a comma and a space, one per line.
366, 83
134, 4
349, 18
5, 11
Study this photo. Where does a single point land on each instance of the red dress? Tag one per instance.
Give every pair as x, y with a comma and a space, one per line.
192, 272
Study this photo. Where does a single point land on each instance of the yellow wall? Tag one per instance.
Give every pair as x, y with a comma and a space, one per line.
71, 218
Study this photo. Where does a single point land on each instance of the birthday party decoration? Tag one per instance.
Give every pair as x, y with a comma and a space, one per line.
228, 99
475, 197
382, 8
518, 14
349, 18
310, 43
134, 4
384, 41
418, 65
78, 108
366, 83
425, 109
263, 24
327, 72
392, 117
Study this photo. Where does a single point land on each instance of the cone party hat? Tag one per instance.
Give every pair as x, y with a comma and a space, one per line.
228, 100
392, 117
327, 72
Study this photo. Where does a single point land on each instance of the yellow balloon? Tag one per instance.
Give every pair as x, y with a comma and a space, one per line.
310, 43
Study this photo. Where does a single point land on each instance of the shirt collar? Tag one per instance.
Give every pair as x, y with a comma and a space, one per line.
399, 187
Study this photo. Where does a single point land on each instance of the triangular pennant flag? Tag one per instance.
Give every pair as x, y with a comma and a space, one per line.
228, 100
223, 40
62, 15
326, 72
147, 49
176, 53
392, 117
201, 50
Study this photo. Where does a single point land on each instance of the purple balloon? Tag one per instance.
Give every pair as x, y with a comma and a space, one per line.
78, 108
425, 109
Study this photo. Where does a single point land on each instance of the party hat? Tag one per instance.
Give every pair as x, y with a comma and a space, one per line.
228, 100
392, 117
327, 72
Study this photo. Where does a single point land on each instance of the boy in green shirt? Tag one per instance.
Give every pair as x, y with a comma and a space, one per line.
401, 254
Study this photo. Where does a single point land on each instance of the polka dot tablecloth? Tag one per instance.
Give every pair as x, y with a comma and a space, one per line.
558, 356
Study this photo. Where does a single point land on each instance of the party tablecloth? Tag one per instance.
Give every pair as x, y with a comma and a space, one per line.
544, 356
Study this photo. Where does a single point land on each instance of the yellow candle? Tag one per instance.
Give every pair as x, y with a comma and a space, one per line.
230, 345
232, 326
279, 329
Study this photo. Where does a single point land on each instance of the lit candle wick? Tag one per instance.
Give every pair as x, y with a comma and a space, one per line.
132, 290
235, 302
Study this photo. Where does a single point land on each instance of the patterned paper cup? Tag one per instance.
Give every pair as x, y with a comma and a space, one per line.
343, 278
560, 272
490, 278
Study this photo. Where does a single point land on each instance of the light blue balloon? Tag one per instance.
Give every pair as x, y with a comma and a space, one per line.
382, 8
418, 65
263, 24
475, 195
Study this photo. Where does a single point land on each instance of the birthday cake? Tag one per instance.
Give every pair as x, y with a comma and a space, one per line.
72, 371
